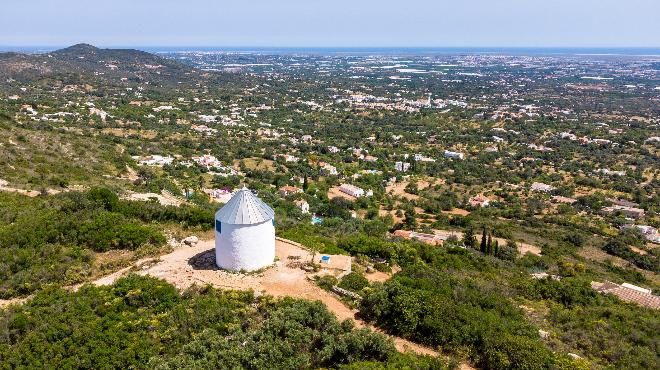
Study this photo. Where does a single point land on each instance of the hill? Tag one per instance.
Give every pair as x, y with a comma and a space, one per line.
85, 63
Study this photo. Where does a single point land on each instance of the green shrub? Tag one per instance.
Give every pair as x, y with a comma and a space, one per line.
370, 246
382, 267
143, 322
327, 281
511, 352
508, 252
354, 282
112, 231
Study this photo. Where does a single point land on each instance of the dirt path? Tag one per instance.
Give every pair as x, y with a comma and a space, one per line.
187, 266
7, 302
522, 247
165, 199
29, 193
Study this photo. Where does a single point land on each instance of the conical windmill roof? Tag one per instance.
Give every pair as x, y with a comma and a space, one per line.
244, 208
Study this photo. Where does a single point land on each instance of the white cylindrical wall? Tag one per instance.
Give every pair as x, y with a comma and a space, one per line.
245, 247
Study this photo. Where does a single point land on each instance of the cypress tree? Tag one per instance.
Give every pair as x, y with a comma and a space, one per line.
497, 248
490, 244
484, 246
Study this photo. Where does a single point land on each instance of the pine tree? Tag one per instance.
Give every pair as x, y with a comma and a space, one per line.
468, 238
484, 247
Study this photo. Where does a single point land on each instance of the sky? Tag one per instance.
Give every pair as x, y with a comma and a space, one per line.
332, 23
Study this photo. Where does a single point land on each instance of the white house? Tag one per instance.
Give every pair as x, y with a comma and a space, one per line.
303, 205
607, 171
401, 166
541, 187
289, 190
352, 190
154, 160
290, 158
479, 201
244, 233
455, 155
164, 107
568, 135
207, 161
422, 158
329, 169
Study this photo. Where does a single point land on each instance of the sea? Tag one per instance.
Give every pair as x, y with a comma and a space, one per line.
532, 51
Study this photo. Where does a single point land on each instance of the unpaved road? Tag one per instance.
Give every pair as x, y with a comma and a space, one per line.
187, 266
522, 247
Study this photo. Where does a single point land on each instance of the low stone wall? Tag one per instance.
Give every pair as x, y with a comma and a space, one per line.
290, 242
344, 292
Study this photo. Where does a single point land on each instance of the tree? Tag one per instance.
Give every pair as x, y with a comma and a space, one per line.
104, 197
484, 246
146, 175
188, 187
412, 188
490, 244
354, 282
515, 352
508, 252
410, 219
469, 240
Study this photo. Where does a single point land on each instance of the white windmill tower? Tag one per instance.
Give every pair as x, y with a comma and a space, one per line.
244, 233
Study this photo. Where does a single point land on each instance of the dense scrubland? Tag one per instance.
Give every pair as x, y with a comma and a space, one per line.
470, 298
53, 239
145, 323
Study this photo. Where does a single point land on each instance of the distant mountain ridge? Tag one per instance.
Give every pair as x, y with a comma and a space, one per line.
78, 49
84, 63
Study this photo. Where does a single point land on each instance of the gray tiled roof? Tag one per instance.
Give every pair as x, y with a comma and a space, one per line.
244, 208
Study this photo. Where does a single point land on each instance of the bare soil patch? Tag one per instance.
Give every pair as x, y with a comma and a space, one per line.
124, 132
377, 276
383, 212
398, 189
185, 267
457, 212
165, 199
256, 164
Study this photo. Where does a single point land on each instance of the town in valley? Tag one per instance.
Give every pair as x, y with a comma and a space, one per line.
335, 208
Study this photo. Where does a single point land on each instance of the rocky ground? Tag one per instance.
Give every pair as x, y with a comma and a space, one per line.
195, 265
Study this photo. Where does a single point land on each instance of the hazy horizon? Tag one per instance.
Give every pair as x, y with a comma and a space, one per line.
382, 50
336, 24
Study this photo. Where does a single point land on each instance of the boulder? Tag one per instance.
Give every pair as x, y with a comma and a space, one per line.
190, 241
